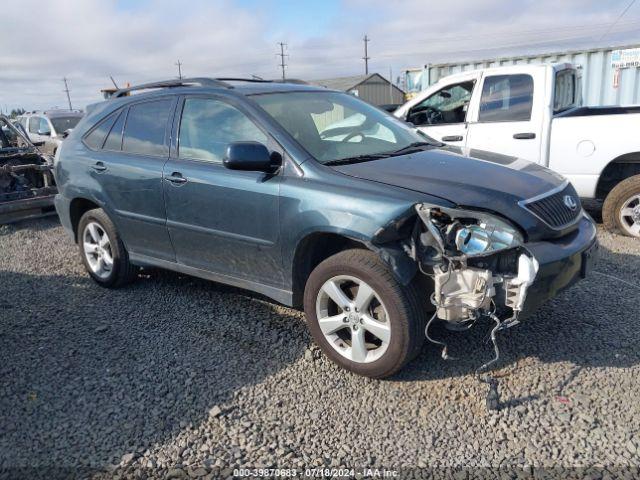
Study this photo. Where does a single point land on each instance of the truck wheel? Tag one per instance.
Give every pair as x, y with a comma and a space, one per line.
361, 317
102, 251
621, 209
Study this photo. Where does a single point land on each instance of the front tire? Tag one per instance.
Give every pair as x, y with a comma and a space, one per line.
102, 251
360, 315
621, 209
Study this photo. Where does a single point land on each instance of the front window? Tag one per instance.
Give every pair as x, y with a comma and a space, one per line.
209, 125
62, 124
506, 98
448, 105
333, 126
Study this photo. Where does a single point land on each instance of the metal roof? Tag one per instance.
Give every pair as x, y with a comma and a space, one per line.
348, 83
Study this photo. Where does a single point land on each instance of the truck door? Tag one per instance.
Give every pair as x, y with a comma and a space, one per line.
443, 114
505, 120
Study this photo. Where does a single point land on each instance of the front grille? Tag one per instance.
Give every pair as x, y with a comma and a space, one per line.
553, 210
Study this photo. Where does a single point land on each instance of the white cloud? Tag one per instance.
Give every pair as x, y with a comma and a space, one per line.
88, 40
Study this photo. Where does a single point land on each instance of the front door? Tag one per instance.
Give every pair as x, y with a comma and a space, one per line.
443, 114
220, 220
506, 121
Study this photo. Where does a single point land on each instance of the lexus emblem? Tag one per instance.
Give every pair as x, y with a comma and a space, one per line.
570, 202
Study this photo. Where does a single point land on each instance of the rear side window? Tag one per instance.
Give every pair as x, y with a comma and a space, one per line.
506, 98
95, 138
565, 91
144, 131
208, 126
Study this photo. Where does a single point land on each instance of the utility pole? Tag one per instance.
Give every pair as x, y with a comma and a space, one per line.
179, 65
282, 56
366, 55
66, 90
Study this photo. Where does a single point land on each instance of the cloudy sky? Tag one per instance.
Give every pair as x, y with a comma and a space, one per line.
141, 40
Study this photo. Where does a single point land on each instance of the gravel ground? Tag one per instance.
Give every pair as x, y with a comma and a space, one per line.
174, 377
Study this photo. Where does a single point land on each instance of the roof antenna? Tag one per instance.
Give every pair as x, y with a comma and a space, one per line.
114, 82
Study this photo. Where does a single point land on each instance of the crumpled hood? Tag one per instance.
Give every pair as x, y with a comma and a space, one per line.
468, 178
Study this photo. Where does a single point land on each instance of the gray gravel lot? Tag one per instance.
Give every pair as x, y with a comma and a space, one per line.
174, 377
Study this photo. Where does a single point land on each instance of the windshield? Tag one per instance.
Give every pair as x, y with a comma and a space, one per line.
334, 126
61, 124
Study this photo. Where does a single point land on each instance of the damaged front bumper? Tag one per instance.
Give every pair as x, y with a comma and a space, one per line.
563, 262
481, 266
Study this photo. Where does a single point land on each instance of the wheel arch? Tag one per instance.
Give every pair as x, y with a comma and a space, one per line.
77, 208
617, 170
313, 249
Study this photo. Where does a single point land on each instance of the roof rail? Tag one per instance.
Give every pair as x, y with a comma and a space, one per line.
261, 80
178, 82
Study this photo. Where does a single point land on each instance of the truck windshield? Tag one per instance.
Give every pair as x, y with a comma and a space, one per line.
336, 127
61, 124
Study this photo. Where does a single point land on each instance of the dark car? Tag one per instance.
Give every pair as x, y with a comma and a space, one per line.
319, 201
27, 188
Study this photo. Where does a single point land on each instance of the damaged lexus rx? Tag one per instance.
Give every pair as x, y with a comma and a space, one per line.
319, 201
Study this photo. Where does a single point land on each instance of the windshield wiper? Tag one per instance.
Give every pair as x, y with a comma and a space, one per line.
415, 146
358, 159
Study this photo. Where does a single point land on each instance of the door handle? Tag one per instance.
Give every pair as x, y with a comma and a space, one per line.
176, 178
524, 136
452, 138
99, 167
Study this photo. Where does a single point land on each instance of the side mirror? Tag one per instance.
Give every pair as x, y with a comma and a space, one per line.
250, 156
45, 133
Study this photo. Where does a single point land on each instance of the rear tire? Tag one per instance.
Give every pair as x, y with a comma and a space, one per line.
374, 338
102, 251
621, 209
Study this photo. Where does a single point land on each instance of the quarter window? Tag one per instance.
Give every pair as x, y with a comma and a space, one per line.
114, 139
506, 98
208, 126
144, 131
95, 138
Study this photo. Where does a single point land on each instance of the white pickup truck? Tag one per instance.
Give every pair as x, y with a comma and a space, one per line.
535, 112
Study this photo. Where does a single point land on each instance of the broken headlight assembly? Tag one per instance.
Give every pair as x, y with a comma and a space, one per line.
479, 265
480, 269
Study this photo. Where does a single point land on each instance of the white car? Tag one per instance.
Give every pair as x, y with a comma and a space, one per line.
50, 127
535, 112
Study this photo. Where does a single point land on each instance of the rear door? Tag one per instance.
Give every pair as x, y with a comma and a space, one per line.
506, 121
128, 165
220, 220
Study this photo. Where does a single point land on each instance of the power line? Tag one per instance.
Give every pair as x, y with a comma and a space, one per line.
282, 55
179, 65
66, 90
366, 55
617, 20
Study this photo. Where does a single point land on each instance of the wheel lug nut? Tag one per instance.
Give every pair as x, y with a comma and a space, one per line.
355, 327
346, 309
345, 319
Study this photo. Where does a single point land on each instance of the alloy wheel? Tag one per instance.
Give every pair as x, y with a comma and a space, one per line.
353, 319
97, 250
630, 215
